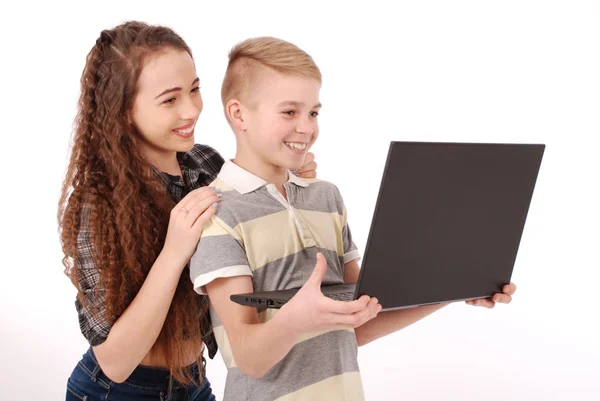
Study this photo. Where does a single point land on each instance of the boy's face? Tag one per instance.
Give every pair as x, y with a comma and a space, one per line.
281, 118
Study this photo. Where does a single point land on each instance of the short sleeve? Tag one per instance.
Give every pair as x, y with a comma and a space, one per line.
350, 249
220, 253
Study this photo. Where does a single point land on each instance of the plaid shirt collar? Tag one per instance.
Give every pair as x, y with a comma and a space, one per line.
194, 173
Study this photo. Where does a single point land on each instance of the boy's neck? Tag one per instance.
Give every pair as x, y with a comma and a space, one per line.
272, 174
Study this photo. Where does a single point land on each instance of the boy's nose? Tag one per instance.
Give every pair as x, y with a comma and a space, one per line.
306, 129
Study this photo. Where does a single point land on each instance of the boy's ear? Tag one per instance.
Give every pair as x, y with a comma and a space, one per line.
233, 111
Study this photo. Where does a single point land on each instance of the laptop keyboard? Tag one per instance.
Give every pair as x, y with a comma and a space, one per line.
342, 296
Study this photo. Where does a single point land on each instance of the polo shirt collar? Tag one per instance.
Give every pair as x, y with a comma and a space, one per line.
245, 182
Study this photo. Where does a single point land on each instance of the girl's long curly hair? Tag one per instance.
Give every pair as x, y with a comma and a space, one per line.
129, 206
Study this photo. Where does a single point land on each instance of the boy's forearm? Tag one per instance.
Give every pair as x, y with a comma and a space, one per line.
389, 322
260, 346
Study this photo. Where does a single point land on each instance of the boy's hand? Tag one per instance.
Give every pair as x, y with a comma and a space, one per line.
309, 310
309, 168
504, 297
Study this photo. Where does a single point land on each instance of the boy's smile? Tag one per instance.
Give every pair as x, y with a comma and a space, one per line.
297, 147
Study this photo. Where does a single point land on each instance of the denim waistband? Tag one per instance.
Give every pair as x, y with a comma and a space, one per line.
142, 376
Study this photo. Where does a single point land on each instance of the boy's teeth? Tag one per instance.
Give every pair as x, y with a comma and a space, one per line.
297, 146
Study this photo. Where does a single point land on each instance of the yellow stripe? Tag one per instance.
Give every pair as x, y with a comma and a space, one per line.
345, 387
220, 184
212, 228
270, 238
275, 236
326, 229
216, 226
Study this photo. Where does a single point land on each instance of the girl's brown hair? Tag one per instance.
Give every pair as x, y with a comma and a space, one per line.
129, 206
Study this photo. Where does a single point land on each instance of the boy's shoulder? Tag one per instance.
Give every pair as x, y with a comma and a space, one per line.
318, 185
235, 208
218, 183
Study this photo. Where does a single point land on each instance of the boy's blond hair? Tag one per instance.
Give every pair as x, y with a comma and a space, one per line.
248, 59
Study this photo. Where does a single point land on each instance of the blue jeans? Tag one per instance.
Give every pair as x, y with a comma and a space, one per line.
88, 383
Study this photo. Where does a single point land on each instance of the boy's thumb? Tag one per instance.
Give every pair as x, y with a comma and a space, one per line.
318, 273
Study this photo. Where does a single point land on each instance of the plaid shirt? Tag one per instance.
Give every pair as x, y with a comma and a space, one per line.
200, 167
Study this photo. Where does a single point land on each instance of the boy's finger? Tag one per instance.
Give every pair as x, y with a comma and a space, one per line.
316, 278
509, 289
502, 298
347, 308
486, 303
374, 306
354, 319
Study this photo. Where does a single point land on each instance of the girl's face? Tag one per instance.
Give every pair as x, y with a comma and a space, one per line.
167, 105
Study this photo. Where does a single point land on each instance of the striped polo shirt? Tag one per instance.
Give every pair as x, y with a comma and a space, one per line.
257, 232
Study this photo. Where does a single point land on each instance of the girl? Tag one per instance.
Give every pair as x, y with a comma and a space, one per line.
132, 209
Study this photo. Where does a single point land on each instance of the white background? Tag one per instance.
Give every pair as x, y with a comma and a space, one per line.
487, 71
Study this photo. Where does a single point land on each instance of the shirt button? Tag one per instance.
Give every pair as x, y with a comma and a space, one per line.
273, 190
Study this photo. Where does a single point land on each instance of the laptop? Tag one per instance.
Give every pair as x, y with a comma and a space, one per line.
446, 227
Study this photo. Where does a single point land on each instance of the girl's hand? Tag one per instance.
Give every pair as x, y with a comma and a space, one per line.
187, 222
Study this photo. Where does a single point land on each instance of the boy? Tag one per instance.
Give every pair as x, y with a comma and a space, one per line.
269, 229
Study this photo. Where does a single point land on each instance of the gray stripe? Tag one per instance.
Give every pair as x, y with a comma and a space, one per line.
293, 271
349, 245
215, 252
320, 196
309, 362
236, 208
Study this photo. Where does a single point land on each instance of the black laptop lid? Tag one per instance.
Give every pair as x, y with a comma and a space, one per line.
448, 221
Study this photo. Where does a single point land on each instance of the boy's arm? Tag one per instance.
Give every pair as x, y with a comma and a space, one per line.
389, 322
256, 347
386, 322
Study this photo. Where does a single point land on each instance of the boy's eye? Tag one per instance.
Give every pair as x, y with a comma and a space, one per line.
289, 112
196, 89
314, 113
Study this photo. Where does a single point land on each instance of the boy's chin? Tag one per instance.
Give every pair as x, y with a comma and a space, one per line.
289, 164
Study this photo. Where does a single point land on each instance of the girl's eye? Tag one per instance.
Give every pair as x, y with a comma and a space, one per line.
196, 89
289, 112
170, 101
